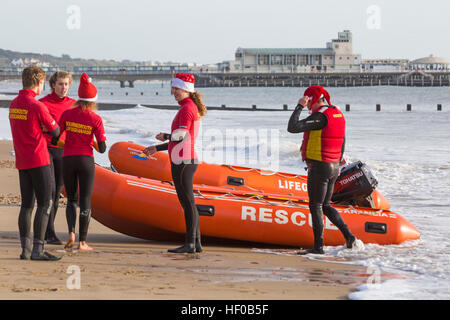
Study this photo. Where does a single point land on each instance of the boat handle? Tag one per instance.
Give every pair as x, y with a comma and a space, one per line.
235, 181
375, 227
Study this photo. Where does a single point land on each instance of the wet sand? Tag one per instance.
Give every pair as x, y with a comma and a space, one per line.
123, 267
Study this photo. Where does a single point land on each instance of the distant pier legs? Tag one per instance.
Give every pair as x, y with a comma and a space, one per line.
123, 83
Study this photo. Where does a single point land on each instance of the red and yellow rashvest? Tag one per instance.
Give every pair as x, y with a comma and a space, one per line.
326, 144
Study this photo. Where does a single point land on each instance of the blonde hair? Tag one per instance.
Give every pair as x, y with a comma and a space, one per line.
59, 75
31, 76
197, 97
86, 105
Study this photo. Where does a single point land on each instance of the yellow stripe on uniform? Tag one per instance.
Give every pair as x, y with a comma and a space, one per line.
314, 147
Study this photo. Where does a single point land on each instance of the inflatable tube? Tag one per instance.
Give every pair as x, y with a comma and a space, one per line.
125, 158
150, 209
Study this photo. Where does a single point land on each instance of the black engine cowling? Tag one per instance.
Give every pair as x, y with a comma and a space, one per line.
354, 185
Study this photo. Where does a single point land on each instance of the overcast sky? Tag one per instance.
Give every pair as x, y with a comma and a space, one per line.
209, 31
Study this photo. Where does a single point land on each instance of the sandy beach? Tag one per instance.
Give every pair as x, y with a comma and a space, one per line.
123, 267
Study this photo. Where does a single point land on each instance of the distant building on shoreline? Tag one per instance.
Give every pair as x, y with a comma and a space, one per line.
384, 65
337, 56
430, 63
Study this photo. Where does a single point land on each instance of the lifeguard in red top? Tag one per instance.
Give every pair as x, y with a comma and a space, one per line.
182, 154
57, 102
81, 125
322, 149
28, 117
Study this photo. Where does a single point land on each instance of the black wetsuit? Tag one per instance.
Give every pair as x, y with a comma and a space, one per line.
35, 184
57, 183
78, 176
183, 179
321, 179
78, 172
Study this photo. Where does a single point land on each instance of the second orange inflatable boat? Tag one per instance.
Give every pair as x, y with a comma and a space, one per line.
150, 209
124, 157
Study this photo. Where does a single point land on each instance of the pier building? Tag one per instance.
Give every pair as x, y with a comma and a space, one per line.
336, 56
430, 63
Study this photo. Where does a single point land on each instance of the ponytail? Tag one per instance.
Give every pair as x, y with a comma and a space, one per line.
197, 97
86, 105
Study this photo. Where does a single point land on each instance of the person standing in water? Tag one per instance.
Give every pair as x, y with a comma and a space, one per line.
81, 125
182, 155
27, 117
57, 102
322, 149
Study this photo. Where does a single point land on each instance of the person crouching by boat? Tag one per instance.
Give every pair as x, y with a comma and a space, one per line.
81, 125
322, 149
182, 154
27, 118
57, 102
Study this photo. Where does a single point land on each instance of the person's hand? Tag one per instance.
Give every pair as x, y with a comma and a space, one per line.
44, 129
160, 136
149, 150
303, 101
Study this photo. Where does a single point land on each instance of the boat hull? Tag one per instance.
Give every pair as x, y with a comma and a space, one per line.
124, 157
150, 209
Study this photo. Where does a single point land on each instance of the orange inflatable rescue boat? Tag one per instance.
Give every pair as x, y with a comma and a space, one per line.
150, 209
124, 158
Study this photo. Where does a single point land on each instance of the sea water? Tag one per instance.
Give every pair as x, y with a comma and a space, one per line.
407, 151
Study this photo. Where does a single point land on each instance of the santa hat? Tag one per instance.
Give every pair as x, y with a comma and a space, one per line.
315, 93
184, 81
87, 91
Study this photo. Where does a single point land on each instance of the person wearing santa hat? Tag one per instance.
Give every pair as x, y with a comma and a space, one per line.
322, 149
182, 154
57, 102
81, 125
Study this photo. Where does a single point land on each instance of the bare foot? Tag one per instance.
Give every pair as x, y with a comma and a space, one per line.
84, 247
71, 241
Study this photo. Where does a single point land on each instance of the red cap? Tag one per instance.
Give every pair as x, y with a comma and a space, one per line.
317, 92
87, 91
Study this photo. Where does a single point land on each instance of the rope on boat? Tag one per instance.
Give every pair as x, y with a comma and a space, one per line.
267, 174
287, 202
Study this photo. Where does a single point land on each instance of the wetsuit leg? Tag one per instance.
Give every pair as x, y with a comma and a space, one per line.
332, 214
321, 179
52, 191
318, 178
86, 167
70, 176
188, 186
57, 184
26, 211
40, 177
42, 188
183, 176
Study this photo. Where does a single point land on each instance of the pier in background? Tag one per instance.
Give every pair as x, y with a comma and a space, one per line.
127, 75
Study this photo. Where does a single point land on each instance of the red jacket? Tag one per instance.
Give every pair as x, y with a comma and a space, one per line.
56, 106
326, 144
26, 116
81, 127
188, 119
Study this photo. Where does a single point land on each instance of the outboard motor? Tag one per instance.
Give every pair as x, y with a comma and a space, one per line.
355, 185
